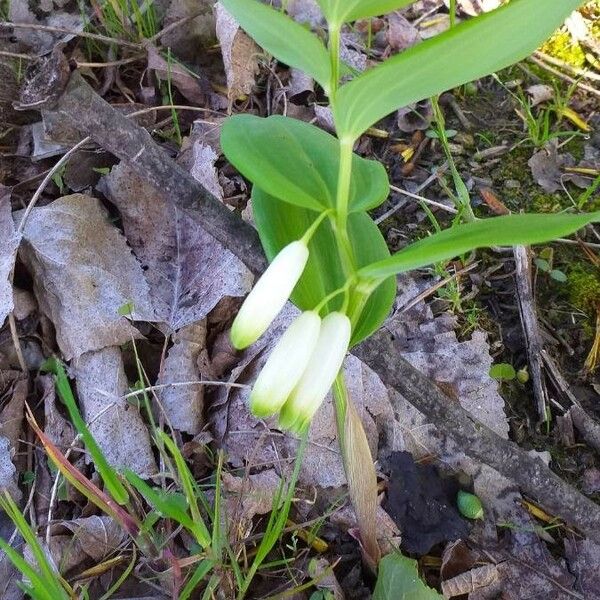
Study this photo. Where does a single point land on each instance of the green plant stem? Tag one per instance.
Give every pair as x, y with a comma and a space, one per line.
334, 56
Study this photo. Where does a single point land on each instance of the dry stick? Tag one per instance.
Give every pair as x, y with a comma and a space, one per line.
529, 322
567, 67
561, 75
85, 34
86, 111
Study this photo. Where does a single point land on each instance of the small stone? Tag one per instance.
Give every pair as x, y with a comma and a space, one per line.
512, 184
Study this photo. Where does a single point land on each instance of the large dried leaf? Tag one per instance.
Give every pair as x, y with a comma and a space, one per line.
83, 274
240, 54
8, 473
116, 425
8, 251
184, 405
187, 269
93, 538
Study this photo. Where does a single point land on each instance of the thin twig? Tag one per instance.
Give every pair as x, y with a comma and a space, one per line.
46, 181
445, 207
17, 55
564, 76
85, 34
175, 25
112, 63
14, 334
567, 67
162, 386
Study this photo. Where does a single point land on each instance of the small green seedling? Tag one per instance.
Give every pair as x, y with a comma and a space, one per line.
503, 372
311, 196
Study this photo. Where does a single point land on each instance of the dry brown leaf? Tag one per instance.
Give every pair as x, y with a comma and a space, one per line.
8, 473
540, 93
191, 86
468, 582
116, 425
8, 251
476, 7
87, 539
11, 417
187, 269
184, 405
583, 557
190, 38
240, 54
203, 169
252, 495
305, 11
401, 33
83, 274
56, 427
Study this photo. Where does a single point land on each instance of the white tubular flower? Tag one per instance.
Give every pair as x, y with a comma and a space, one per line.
269, 295
320, 373
285, 365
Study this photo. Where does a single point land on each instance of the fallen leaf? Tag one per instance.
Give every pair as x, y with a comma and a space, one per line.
90, 539
305, 11
8, 473
191, 37
204, 171
9, 243
184, 405
240, 54
83, 274
540, 93
59, 430
192, 86
250, 496
548, 168
401, 33
42, 42
13, 411
583, 557
187, 270
415, 117
116, 425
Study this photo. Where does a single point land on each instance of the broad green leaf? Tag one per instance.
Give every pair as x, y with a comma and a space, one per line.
466, 52
298, 163
399, 580
345, 11
511, 230
279, 224
282, 37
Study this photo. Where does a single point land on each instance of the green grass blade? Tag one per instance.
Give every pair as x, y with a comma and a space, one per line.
108, 474
203, 569
189, 489
466, 52
345, 11
510, 230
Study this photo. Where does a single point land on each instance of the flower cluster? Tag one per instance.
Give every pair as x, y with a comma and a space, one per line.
307, 358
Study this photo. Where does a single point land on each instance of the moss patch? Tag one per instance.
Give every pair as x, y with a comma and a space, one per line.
561, 46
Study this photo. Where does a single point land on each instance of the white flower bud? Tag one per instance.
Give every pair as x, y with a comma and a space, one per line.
269, 295
320, 373
285, 365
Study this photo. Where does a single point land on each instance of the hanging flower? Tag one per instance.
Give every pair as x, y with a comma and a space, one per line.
285, 365
269, 295
320, 373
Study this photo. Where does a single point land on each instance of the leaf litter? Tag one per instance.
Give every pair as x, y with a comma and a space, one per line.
168, 294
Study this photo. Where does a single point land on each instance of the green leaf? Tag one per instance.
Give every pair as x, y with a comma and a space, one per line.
285, 39
502, 372
509, 230
466, 52
399, 580
298, 163
279, 224
345, 11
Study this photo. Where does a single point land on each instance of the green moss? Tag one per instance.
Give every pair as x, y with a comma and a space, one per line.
546, 203
584, 288
561, 46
